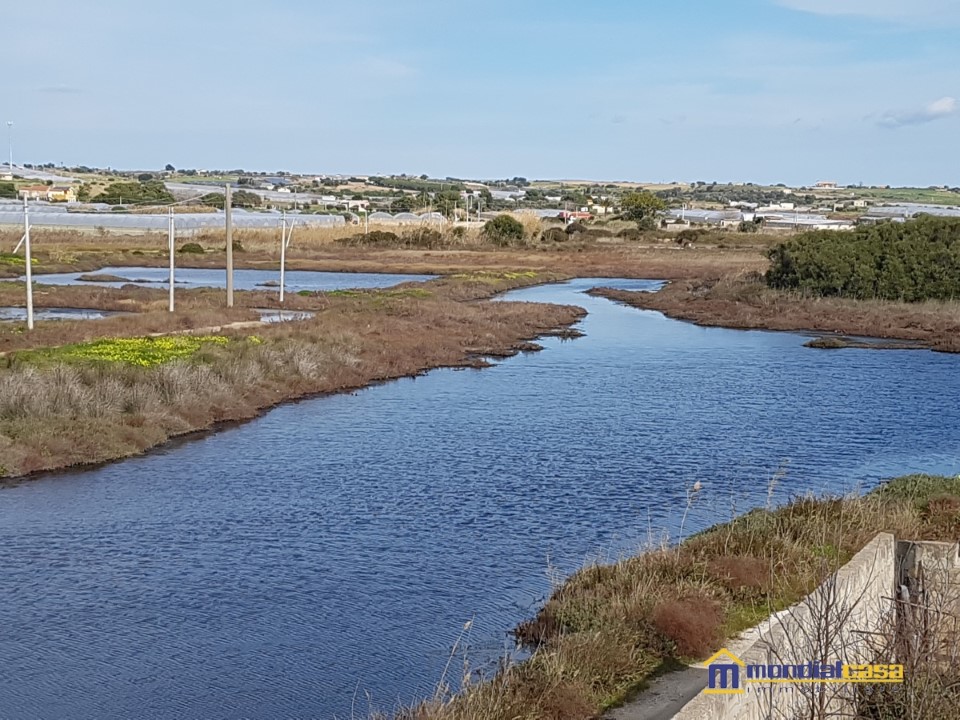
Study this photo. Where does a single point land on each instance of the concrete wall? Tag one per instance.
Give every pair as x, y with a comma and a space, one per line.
833, 622
929, 578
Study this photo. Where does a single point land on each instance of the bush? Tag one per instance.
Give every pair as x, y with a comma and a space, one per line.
913, 261
647, 223
631, 234
691, 624
423, 238
554, 235
380, 237
690, 236
141, 193
191, 249
503, 230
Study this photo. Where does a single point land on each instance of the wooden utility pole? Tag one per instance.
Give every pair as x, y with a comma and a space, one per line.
226, 210
171, 233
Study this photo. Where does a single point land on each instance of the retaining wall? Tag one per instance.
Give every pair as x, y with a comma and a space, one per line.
838, 621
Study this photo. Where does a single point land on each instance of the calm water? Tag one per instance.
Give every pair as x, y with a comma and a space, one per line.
295, 280
336, 547
16, 314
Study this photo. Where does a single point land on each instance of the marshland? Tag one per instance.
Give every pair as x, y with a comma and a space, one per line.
350, 552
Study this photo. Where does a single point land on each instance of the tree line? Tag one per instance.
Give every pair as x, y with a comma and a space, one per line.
912, 261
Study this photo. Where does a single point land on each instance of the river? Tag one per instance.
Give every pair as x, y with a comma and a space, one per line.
332, 550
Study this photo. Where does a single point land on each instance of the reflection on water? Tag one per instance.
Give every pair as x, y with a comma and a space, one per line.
336, 546
269, 315
17, 314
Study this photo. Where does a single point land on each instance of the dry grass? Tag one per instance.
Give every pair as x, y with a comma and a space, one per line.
321, 249
609, 628
742, 300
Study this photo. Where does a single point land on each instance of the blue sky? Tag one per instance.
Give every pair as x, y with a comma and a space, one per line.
791, 91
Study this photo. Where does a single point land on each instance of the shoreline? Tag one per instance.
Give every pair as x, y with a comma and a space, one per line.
611, 632
739, 304
354, 341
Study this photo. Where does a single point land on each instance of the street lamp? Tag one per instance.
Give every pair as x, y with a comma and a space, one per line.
10, 142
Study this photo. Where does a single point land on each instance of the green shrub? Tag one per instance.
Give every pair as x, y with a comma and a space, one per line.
380, 237
375, 238
503, 230
631, 234
913, 261
554, 235
424, 238
191, 249
140, 193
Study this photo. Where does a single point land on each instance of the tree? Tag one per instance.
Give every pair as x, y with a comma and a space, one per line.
445, 201
170, 168
238, 199
405, 203
640, 206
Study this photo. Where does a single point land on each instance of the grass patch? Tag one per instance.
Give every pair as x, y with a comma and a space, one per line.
140, 352
494, 277
419, 293
15, 260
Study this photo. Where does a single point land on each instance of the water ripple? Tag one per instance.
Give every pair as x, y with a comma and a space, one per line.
336, 547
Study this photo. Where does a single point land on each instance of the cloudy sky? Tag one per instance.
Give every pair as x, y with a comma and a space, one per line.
791, 91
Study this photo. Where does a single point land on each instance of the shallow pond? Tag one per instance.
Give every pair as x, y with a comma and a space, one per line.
334, 547
295, 281
18, 314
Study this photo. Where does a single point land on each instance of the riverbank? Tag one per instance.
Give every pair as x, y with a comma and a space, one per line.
743, 301
79, 393
607, 631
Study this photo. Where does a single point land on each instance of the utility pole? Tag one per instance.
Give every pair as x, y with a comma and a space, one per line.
29, 259
227, 207
366, 221
283, 253
172, 243
10, 142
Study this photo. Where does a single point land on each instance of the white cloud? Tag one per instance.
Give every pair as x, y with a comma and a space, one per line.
942, 108
892, 10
